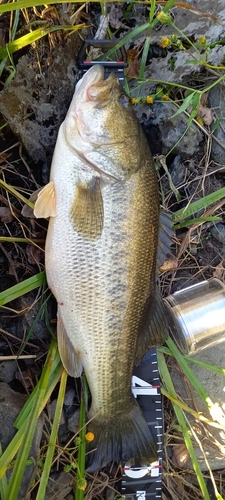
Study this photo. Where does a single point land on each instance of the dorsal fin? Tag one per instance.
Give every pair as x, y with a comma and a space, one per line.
165, 238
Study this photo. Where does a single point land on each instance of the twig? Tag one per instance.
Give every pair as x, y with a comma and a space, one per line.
8, 358
207, 213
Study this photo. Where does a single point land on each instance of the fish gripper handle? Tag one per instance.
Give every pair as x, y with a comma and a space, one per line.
117, 66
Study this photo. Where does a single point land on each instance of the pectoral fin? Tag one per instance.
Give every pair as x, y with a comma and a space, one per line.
70, 359
45, 205
87, 211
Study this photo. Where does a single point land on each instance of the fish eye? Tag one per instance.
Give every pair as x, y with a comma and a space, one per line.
124, 100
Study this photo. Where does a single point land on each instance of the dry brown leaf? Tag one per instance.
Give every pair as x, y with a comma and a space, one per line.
219, 271
4, 156
204, 99
132, 58
12, 269
170, 264
203, 111
205, 114
180, 455
34, 254
5, 215
187, 238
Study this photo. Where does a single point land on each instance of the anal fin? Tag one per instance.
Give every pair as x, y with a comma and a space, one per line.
45, 205
70, 359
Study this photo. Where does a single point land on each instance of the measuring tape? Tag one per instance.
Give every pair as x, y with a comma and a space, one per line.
137, 482
146, 482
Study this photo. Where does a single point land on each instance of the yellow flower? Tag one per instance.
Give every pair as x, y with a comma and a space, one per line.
202, 40
165, 97
149, 99
165, 42
81, 483
200, 120
89, 436
133, 100
163, 17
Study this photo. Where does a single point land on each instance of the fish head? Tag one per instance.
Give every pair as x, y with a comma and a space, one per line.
101, 123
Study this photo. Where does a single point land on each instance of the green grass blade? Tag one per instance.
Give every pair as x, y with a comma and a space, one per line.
12, 35
21, 421
129, 8
13, 239
15, 24
180, 403
201, 446
32, 328
144, 56
186, 369
3, 481
186, 102
21, 288
167, 381
82, 447
11, 451
31, 423
152, 24
190, 359
194, 207
25, 4
53, 379
16, 193
152, 11
2, 64
168, 5
197, 220
195, 382
126, 39
52, 440
35, 35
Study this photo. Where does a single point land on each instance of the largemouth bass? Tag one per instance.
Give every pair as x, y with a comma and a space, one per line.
101, 252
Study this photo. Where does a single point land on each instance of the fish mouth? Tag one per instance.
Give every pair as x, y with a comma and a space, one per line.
93, 86
100, 90
94, 75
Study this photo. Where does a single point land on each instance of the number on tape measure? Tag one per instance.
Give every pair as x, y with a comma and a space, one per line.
142, 388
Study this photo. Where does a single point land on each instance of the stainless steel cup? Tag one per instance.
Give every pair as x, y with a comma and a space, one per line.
197, 315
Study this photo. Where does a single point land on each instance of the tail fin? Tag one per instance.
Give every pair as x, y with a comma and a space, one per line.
122, 438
